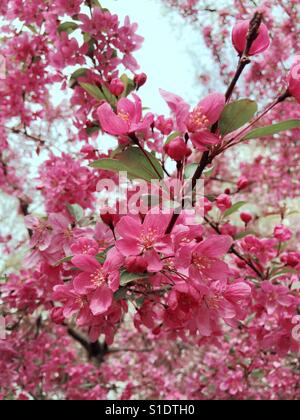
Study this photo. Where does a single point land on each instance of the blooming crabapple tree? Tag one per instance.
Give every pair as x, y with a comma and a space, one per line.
102, 299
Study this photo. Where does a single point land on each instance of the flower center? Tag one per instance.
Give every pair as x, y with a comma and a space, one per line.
82, 301
201, 261
124, 115
213, 302
68, 233
197, 121
98, 278
147, 239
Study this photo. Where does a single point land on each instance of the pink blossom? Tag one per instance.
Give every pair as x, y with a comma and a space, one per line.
235, 384
142, 238
200, 120
85, 246
96, 282
179, 108
224, 202
164, 125
128, 118
205, 257
282, 233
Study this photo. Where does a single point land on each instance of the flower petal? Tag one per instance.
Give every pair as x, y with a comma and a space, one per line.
101, 301
82, 284
86, 263
110, 122
215, 247
212, 106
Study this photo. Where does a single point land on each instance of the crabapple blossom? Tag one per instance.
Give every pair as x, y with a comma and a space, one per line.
282, 233
127, 120
224, 202
116, 301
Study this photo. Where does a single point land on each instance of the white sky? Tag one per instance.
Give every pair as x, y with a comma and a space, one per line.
170, 53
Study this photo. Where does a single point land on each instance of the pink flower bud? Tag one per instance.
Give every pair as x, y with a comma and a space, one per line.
116, 87
207, 205
57, 316
239, 38
140, 80
246, 217
177, 149
282, 233
242, 183
224, 202
294, 80
110, 218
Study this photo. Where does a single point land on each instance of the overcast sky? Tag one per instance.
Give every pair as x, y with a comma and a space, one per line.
170, 53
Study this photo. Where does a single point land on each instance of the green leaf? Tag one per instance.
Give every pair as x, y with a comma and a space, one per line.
236, 207
129, 85
271, 130
244, 234
109, 96
236, 115
173, 136
190, 170
120, 294
102, 256
76, 211
208, 171
92, 129
67, 27
135, 163
283, 272
96, 3
258, 374
63, 260
113, 165
127, 278
77, 73
3, 279
93, 90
